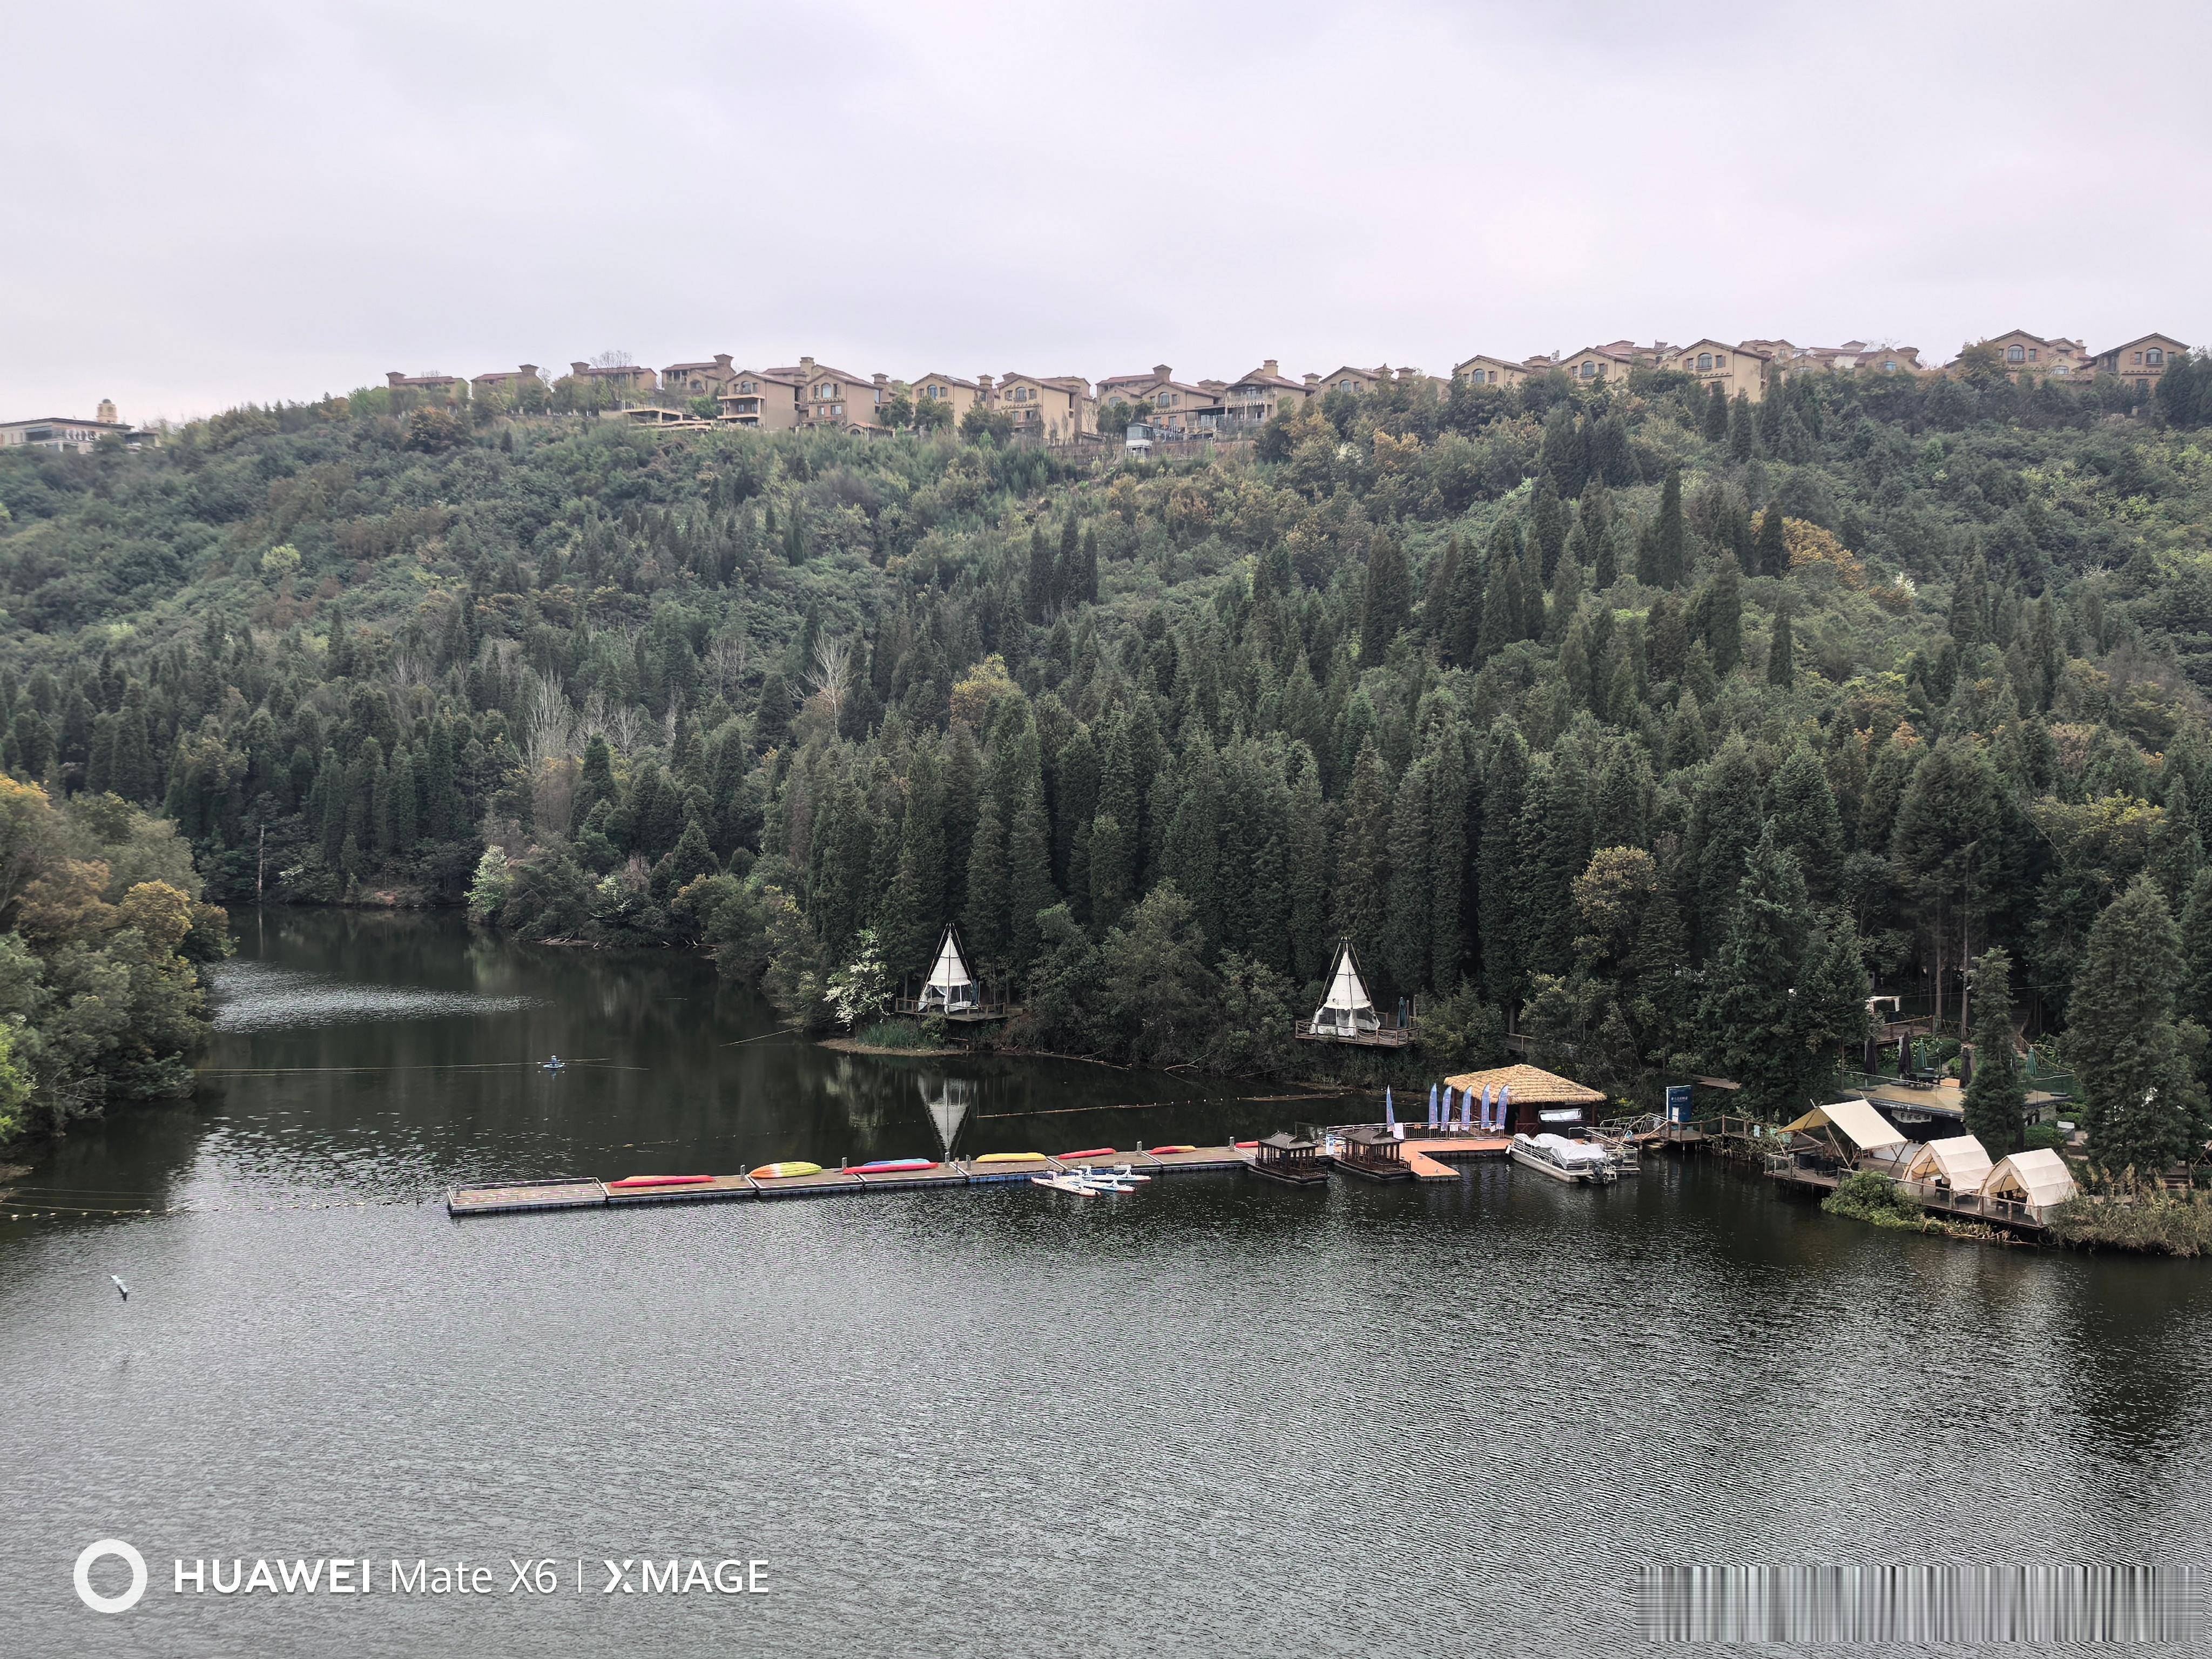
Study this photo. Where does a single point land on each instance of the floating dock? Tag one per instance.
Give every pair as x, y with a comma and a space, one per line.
1428, 1160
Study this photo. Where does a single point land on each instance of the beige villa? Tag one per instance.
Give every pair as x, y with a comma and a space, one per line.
948, 391
447, 386
1177, 406
1354, 380
1249, 402
837, 397
1734, 368
762, 399
2023, 353
1060, 406
626, 379
710, 379
1479, 370
2141, 361
508, 381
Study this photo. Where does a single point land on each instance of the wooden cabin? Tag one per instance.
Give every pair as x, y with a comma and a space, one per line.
1291, 1159
1375, 1152
1535, 1100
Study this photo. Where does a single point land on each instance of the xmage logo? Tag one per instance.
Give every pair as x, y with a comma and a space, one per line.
100, 1551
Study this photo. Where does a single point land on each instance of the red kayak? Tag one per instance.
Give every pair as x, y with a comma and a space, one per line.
1091, 1152
1245, 1145
657, 1181
888, 1165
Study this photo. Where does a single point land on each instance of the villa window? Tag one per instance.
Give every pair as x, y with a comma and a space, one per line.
2015, 354
1705, 360
2135, 356
1890, 366
2153, 356
2031, 353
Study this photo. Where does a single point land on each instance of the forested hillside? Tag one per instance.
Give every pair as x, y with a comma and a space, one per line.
1666, 726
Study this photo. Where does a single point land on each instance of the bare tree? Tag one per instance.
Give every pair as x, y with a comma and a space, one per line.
833, 672
725, 661
613, 357
548, 721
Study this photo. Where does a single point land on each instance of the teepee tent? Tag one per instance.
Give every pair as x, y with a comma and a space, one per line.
1348, 1009
950, 987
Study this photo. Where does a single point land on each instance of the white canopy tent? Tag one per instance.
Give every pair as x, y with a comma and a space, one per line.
1866, 1129
2038, 1179
1962, 1161
950, 987
1346, 1011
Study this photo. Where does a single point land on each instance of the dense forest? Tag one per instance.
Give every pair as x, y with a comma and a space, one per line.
1661, 728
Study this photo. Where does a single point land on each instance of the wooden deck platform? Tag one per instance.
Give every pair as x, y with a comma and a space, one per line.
813, 1185
1390, 1037
516, 1197
1973, 1206
1201, 1157
992, 1175
945, 1174
1139, 1163
697, 1192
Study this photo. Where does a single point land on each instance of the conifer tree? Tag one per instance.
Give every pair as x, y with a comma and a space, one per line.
1448, 858
1605, 569
1566, 598
772, 714
1363, 859
2193, 996
1030, 889
1407, 945
1743, 430
983, 920
1387, 601
1498, 861
1781, 649
1461, 637
1724, 817
1548, 528
1310, 943
130, 772
1770, 549
1724, 613
1554, 848
1669, 555
1807, 825
1996, 1095
1500, 623
1717, 414
1969, 619
2145, 1105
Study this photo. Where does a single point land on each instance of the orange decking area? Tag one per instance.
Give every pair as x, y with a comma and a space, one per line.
1425, 1158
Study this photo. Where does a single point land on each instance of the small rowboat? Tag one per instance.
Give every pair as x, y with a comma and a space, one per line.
887, 1165
1012, 1158
1091, 1152
783, 1171
628, 1181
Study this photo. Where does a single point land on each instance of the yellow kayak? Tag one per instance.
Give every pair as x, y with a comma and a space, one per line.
1012, 1158
778, 1171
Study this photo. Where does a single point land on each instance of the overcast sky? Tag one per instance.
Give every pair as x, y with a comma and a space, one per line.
211, 204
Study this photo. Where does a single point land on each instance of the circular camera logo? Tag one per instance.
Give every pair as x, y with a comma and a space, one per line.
100, 1551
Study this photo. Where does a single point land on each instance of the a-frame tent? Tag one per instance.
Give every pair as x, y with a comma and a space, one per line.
1346, 1010
950, 987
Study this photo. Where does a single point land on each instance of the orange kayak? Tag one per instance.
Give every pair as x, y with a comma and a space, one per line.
657, 1181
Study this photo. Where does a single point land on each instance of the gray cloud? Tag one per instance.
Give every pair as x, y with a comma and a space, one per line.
220, 202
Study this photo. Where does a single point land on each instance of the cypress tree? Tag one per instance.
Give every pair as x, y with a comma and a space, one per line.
2145, 1106
1770, 549
130, 767
1498, 859
1190, 853
1724, 817
1363, 859
1803, 808
983, 918
1030, 889
1566, 598
1781, 651
2193, 998
1460, 641
1605, 570
1500, 624
1388, 601
1447, 861
1406, 943
913, 907
1996, 1095
1669, 543
406, 802
1039, 587
1086, 587
1548, 528
1555, 849
1723, 613
1717, 414
1743, 430
772, 714
1777, 989
1311, 944
1969, 618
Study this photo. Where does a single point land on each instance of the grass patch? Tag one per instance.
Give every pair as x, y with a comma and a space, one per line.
1875, 1199
908, 1033
2155, 1223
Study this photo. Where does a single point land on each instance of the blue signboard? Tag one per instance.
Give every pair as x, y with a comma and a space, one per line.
1678, 1102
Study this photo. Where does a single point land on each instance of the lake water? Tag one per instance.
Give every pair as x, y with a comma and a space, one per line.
1212, 1418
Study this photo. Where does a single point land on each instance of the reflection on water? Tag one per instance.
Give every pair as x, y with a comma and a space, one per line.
259, 996
1246, 1421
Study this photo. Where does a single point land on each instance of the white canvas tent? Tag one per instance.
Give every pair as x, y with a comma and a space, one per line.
1962, 1161
1346, 1011
950, 987
2037, 1179
1867, 1130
